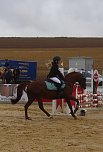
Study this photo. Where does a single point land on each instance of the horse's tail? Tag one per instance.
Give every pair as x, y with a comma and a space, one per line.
21, 87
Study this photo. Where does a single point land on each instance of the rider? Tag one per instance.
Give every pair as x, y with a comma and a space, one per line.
55, 75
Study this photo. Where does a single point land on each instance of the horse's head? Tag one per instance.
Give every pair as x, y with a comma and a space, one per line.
74, 77
82, 80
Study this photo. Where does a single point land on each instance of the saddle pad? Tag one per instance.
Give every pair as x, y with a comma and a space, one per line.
51, 86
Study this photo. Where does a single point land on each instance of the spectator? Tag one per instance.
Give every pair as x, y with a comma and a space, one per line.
16, 74
8, 76
3, 72
6, 63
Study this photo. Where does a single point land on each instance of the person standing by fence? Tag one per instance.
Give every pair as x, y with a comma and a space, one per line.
16, 74
8, 76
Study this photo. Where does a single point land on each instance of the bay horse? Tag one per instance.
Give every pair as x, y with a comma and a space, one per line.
37, 90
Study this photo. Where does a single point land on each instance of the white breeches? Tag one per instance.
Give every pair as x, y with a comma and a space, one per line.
55, 79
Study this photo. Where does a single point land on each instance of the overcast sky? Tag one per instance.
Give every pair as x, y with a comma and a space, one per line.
56, 18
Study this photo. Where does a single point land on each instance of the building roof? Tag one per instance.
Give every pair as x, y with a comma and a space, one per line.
50, 42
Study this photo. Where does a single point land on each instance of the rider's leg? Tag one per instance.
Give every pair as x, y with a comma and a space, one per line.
58, 84
59, 90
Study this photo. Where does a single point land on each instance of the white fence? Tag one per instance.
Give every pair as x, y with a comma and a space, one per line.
8, 91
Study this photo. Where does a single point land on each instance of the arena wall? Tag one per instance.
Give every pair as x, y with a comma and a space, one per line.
44, 49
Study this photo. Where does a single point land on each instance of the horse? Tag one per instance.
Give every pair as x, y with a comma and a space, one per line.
38, 90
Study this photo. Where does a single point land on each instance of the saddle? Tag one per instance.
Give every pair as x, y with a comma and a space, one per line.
51, 85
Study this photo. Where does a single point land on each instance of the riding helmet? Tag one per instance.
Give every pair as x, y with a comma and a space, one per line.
56, 59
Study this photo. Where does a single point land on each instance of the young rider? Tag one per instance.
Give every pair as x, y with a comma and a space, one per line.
55, 74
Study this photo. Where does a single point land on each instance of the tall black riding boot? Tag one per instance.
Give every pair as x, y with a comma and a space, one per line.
59, 90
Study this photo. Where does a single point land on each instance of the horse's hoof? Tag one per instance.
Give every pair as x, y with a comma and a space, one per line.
76, 110
28, 118
75, 117
50, 116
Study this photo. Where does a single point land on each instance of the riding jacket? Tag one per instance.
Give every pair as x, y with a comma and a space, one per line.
54, 72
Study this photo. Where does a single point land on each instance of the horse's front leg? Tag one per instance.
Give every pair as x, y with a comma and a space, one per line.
77, 103
71, 109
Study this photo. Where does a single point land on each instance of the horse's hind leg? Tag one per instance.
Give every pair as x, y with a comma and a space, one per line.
40, 103
30, 101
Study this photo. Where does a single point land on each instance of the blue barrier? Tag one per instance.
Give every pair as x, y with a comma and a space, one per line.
27, 68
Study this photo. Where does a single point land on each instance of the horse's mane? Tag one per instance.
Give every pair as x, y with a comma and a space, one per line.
75, 70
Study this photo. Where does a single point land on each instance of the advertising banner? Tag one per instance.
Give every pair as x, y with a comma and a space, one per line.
27, 68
